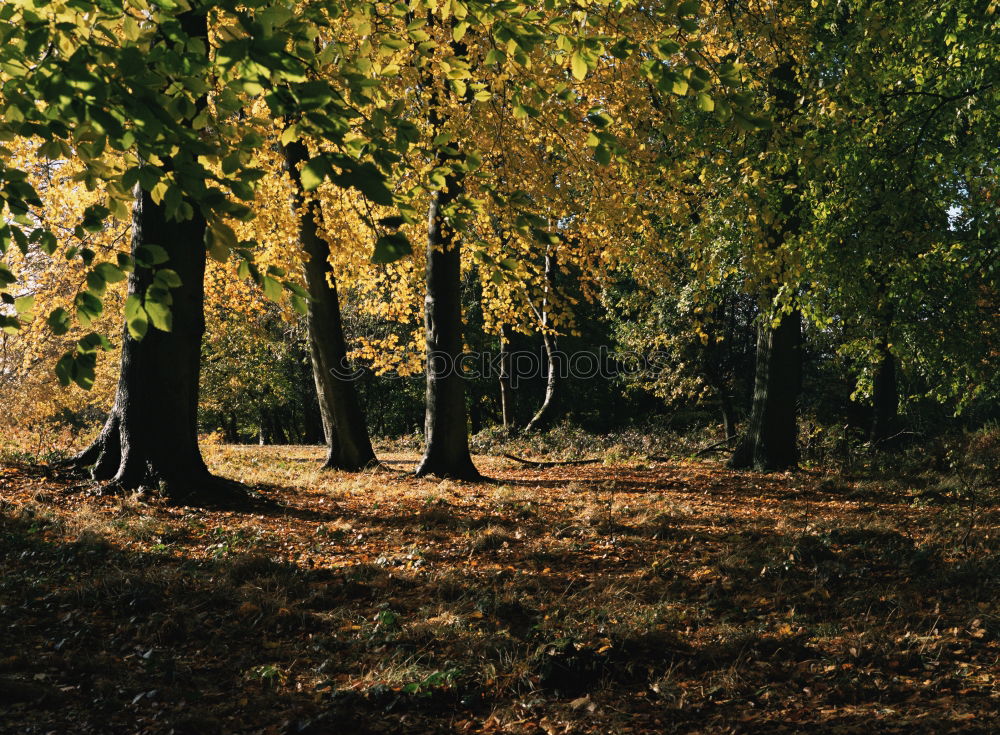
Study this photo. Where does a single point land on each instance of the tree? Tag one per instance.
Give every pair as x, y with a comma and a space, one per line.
348, 442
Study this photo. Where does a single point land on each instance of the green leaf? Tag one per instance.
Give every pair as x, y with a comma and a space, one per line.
58, 321
220, 241
272, 288
88, 308
92, 343
391, 248
705, 102
24, 305
96, 283
578, 65
64, 369
159, 314
602, 154
313, 173
150, 255
367, 179
136, 318
167, 278
110, 273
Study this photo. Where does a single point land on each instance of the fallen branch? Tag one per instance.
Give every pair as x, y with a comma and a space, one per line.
542, 465
703, 450
711, 447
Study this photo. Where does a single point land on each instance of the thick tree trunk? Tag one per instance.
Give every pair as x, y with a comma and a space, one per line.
885, 399
344, 424
446, 423
771, 439
150, 439
506, 388
551, 407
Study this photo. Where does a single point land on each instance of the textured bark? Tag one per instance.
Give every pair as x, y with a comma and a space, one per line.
771, 440
150, 439
551, 407
445, 419
346, 430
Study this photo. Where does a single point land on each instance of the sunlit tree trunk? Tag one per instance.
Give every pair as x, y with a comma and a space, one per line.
506, 388
150, 439
348, 442
446, 425
551, 407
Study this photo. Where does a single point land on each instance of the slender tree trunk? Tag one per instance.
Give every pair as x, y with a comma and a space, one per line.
344, 424
150, 439
446, 425
771, 440
551, 407
728, 415
506, 389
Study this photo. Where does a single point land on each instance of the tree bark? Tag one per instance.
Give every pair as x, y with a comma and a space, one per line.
771, 440
506, 388
446, 423
346, 430
551, 407
150, 439
728, 415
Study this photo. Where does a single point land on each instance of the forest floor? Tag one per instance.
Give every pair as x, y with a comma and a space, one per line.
633, 597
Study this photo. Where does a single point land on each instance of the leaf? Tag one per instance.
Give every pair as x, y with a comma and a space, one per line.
220, 241
159, 313
136, 319
578, 65
272, 288
24, 305
313, 173
109, 272
602, 154
168, 278
367, 179
391, 248
150, 255
88, 308
58, 321
705, 102
64, 369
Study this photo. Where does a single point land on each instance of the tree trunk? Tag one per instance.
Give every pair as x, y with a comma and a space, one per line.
551, 407
728, 416
885, 398
349, 444
446, 423
771, 440
506, 389
150, 439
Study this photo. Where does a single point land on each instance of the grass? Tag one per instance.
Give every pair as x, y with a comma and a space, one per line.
615, 598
